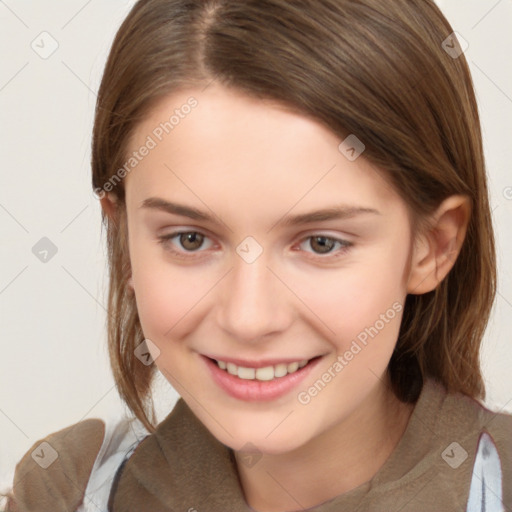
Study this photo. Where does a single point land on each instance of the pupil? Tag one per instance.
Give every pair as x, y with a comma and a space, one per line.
323, 245
190, 238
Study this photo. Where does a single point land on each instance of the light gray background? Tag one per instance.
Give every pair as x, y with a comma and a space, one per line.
54, 368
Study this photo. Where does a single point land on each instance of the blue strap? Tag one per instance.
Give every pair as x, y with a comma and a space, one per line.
485, 492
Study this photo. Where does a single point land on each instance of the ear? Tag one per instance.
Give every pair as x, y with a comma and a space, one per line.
437, 248
109, 204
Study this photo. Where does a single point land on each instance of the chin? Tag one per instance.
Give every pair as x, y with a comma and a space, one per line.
247, 435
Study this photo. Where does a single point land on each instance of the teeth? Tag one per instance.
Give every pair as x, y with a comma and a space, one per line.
280, 370
293, 367
266, 373
263, 374
246, 373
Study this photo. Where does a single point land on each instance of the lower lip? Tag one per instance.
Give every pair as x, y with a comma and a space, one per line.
257, 390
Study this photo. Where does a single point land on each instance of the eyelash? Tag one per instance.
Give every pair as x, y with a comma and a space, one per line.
164, 240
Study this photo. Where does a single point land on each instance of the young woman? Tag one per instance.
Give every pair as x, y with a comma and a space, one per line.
300, 241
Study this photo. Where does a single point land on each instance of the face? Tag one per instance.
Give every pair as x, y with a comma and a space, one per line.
239, 275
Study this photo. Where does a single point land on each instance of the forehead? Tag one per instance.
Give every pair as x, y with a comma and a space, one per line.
232, 148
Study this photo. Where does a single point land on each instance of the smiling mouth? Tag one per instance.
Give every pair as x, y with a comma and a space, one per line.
266, 373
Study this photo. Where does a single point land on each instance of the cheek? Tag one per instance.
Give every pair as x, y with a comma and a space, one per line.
164, 292
171, 298
357, 301
167, 301
164, 298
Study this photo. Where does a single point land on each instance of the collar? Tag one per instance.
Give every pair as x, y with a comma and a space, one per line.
182, 466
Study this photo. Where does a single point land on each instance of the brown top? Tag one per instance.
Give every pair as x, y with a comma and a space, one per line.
182, 467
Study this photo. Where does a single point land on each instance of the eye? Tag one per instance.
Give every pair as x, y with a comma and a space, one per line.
325, 244
190, 241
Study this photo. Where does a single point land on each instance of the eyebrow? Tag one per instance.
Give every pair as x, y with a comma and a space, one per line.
331, 213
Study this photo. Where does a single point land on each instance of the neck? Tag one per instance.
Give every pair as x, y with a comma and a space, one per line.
345, 456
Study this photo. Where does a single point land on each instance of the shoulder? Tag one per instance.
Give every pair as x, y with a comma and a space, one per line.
482, 429
498, 425
56, 471
463, 417
470, 414
57, 467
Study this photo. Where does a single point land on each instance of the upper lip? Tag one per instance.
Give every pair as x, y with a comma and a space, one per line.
261, 363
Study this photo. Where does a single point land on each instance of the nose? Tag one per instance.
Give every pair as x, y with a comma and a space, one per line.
253, 302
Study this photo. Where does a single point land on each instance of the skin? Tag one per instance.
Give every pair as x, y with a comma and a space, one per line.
250, 162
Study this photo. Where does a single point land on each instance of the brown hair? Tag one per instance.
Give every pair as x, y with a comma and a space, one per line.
365, 67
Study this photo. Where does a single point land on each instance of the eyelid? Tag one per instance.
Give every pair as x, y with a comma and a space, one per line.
167, 238
345, 244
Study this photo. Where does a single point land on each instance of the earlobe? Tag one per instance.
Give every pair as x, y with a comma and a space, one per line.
435, 251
